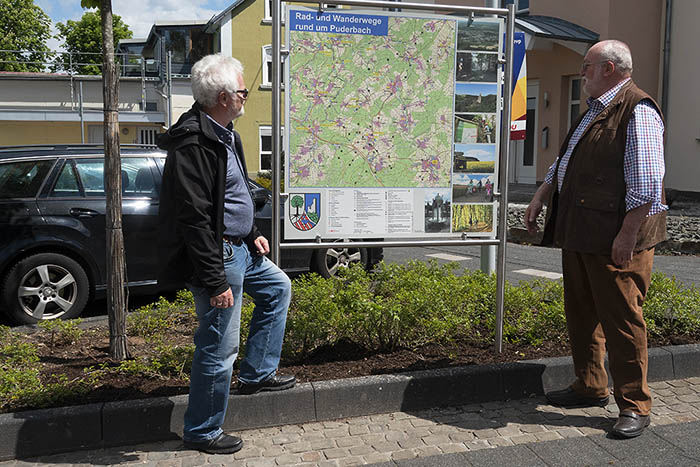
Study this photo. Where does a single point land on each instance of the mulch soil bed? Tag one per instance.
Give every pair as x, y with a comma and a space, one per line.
344, 360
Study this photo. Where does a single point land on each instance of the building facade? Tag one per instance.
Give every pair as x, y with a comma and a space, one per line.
47, 108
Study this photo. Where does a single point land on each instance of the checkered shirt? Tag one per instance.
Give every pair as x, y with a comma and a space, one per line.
644, 152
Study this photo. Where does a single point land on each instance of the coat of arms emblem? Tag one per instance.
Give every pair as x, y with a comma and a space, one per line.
305, 210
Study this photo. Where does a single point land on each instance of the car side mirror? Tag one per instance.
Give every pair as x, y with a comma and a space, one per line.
260, 197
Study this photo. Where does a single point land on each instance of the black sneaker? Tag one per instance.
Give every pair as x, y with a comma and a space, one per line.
571, 399
222, 444
275, 382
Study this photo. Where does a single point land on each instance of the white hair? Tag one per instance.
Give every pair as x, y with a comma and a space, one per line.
213, 74
619, 53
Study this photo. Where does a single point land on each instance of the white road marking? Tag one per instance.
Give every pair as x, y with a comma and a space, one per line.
537, 272
449, 257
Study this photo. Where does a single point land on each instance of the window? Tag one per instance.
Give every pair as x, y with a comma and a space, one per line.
91, 172
265, 144
574, 100
137, 177
147, 136
268, 11
266, 80
176, 42
67, 183
22, 179
266, 65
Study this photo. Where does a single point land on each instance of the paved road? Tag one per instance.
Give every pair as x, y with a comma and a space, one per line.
510, 433
527, 262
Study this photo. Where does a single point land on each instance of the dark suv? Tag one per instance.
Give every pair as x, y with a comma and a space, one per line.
52, 229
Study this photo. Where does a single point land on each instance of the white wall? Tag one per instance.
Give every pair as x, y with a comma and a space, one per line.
683, 111
55, 94
182, 97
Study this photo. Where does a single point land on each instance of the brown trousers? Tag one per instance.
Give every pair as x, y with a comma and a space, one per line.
603, 306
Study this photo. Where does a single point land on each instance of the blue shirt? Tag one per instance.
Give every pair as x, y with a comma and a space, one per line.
644, 152
238, 201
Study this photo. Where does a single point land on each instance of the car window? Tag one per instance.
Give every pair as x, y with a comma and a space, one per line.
137, 177
91, 172
140, 181
22, 179
67, 183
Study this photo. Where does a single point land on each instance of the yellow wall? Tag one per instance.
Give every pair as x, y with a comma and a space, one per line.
249, 35
19, 133
22, 133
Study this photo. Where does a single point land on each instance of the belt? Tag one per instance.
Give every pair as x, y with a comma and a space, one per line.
236, 241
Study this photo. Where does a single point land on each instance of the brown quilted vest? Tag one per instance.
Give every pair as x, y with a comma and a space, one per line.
588, 212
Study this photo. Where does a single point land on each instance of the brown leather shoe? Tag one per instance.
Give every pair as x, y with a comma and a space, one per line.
630, 424
571, 399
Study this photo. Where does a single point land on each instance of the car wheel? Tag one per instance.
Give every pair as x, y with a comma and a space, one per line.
45, 286
328, 262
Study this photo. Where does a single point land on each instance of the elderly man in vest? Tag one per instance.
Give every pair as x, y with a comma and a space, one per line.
606, 211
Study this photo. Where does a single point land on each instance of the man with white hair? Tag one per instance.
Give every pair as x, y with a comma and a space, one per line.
605, 209
208, 241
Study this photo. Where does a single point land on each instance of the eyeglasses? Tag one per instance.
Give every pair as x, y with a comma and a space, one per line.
242, 92
585, 65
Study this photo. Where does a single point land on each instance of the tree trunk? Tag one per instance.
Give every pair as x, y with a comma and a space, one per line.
116, 264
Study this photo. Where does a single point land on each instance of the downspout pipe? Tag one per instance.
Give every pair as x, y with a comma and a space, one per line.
667, 58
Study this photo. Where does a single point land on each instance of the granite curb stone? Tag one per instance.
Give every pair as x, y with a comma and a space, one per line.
50, 431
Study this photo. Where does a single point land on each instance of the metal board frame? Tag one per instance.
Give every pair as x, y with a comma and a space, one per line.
501, 196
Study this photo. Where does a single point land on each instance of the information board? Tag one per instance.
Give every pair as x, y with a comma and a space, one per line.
392, 124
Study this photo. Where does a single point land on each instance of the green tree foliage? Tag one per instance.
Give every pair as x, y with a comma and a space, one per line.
297, 202
23, 26
85, 35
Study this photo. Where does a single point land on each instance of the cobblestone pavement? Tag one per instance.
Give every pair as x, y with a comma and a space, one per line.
400, 435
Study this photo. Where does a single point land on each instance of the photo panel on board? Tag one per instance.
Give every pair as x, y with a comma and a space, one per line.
472, 188
478, 35
437, 205
474, 158
477, 67
475, 128
476, 97
472, 218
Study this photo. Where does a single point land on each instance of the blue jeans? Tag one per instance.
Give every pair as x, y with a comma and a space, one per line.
217, 338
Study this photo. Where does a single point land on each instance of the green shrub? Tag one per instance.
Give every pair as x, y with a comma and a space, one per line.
151, 320
415, 304
264, 179
62, 332
670, 308
20, 378
394, 306
165, 361
314, 317
174, 360
534, 312
19, 371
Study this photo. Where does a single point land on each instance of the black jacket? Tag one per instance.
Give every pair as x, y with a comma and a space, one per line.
191, 213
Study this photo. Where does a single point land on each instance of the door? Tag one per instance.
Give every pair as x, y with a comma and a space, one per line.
77, 204
524, 152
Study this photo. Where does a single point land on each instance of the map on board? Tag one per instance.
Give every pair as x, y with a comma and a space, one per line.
370, 100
